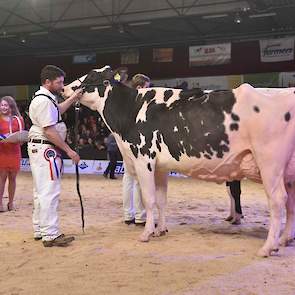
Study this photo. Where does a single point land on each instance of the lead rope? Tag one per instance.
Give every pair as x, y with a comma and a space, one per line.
77, 110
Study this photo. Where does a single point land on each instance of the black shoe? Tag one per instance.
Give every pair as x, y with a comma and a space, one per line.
60, 241
105, 175
140, 223
113, 177
128, 222
37, 238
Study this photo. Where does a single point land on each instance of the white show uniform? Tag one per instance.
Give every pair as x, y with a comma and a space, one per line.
132, 199
46, 164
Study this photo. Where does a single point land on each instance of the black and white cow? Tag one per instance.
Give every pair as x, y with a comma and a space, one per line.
219, 136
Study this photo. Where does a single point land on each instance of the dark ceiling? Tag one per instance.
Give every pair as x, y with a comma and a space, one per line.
49, 27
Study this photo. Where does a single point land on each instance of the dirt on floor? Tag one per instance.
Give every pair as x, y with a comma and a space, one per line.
202, 253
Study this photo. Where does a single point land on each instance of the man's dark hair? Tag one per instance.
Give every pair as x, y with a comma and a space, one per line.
51, 73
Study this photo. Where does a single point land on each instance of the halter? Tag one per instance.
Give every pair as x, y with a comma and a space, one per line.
84, 85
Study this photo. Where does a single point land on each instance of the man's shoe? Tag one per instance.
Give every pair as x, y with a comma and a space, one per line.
60, 241
37, 238
113, 177
140, 223
105, 175
128, 222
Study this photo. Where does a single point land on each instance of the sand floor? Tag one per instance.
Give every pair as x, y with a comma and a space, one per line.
202, 254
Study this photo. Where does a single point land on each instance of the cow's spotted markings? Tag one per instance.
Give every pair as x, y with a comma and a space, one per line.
256, 109
168, 94
287, 117
149, 167
192, 125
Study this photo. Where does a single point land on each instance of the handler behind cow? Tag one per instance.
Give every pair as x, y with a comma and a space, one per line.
46, 139
134, 211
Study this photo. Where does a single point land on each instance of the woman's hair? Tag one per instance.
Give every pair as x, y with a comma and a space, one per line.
12, 104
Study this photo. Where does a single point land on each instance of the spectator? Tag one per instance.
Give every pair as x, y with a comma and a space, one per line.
10, 153
113, 151
134, 211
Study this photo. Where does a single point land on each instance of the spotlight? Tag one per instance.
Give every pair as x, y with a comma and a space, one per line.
121, 29
237, 19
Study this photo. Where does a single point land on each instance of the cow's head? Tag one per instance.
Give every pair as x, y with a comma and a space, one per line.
96, 84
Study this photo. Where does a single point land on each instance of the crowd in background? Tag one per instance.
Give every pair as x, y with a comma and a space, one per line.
91, 136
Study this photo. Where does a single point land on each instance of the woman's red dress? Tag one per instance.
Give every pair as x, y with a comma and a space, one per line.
10, 153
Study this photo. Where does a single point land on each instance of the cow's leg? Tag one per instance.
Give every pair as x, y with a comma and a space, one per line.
146, 177
288, 233
232, 204
234, 192
161, 180
277, 197
232, 212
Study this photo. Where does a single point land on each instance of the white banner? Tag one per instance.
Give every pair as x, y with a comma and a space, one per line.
215, 54
84, 58
85, 167
275, 50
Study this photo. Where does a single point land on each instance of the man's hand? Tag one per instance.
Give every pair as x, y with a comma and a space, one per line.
76, 96
63, 106
74, 156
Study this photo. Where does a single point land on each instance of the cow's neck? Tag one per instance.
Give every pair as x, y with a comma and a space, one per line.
120, 109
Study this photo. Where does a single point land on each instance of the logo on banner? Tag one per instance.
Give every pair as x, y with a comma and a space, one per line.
215, 54
119, 168
276, 50
83, 165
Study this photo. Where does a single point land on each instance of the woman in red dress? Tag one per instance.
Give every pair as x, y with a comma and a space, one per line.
10, 153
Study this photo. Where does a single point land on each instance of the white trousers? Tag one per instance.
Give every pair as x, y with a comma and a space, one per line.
45, 191
132, 199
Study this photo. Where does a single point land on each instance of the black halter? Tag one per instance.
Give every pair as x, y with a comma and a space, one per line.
77, 111
84, 85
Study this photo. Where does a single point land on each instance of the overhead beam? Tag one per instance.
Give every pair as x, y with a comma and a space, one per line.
40, 25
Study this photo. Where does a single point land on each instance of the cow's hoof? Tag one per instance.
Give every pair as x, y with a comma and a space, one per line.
266, 252
145, 237
236, 222
263, 253
160, 233
285, 241
229, 218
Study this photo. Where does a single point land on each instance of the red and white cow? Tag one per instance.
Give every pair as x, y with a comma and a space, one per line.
217, 136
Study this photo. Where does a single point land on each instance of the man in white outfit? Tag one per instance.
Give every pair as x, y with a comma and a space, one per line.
134, 211
46, 140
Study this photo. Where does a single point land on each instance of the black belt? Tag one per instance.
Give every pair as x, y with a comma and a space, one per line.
42, 141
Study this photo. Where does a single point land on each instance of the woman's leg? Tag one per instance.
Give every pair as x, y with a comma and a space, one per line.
3, 177
11, 188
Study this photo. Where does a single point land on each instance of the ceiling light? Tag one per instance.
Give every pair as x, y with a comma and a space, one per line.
262, 15
100, 27
214, 16
121, 29
7, 36
237, 19
38, 33
139, 24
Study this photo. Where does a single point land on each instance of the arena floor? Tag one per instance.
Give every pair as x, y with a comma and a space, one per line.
202, 254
